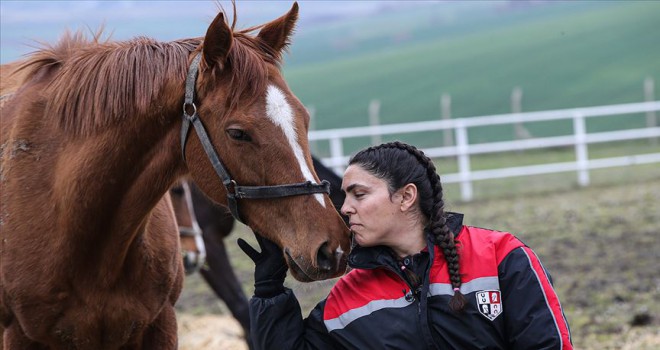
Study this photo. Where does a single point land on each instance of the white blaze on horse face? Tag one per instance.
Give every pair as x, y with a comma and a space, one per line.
279, 111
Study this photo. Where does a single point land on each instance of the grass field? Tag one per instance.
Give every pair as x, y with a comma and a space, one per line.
562, 54
601, 244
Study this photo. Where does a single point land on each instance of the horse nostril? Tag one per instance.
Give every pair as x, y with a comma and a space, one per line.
325, 258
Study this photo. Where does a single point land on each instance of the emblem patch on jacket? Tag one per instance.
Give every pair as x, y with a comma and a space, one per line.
489, 303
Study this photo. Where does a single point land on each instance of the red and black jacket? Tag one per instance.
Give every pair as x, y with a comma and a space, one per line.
510, 303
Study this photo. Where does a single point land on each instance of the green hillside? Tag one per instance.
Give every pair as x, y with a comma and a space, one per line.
562, 54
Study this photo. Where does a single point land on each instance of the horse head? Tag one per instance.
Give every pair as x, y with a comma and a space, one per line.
258, 129
193, 249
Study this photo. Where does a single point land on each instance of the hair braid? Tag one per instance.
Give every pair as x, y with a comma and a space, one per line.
440, 233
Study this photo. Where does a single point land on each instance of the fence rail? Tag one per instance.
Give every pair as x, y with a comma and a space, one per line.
463, 149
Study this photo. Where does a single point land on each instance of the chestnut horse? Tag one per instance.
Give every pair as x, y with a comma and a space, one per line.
197, 215
193, 249
92, 141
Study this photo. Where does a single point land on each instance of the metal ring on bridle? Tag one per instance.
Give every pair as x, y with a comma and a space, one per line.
194, 107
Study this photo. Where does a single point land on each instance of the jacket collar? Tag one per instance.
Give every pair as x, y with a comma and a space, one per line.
455, 222
378, 256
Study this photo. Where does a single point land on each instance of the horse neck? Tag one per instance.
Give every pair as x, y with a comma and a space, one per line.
93, 191
142, 172
113, 184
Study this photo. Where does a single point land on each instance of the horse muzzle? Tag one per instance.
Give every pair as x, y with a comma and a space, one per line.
328, 265
192, 261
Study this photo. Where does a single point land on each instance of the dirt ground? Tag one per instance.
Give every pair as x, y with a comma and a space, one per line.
206, 332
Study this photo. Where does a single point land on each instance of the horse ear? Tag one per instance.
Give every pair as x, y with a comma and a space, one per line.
276, 34
217, 41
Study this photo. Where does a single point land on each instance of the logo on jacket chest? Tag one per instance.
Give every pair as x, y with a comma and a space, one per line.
489, 303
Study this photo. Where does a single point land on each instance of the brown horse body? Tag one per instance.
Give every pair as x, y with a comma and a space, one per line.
89, 254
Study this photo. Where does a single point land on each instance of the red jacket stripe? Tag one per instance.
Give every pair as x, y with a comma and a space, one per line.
380, 284
551, 298
481, 251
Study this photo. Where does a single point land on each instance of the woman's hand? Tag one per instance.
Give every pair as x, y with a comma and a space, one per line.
269, 267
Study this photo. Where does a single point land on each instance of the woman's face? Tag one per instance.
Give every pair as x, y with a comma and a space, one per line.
374, 217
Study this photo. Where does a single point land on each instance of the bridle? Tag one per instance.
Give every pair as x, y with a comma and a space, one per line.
234, 191
192, 261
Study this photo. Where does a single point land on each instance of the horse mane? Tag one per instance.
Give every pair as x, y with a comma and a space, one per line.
99, 83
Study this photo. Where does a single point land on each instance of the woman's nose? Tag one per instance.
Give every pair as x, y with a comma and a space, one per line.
345, 209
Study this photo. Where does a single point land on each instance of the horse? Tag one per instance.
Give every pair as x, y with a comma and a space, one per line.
197, 215
92, 140
193, 249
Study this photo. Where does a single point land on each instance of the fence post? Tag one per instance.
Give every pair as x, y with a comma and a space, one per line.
311, 110
336, 153
516, 107
581, 154
374, 120
445, 107
649, 92
462, 148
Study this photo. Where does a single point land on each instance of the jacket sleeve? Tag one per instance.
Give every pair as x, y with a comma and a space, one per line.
277, 323
533, 315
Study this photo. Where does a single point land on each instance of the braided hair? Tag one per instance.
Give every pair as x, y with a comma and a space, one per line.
399, 164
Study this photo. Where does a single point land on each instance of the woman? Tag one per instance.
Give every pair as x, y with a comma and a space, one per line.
420, 279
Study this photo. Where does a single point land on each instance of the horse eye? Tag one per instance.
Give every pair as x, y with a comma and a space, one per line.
238, 134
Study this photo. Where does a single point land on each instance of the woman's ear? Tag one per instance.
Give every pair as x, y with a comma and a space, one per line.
408, 196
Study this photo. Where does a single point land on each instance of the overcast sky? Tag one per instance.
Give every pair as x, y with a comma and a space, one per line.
24, 22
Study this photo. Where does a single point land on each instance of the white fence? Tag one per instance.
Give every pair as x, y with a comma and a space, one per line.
580, 139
